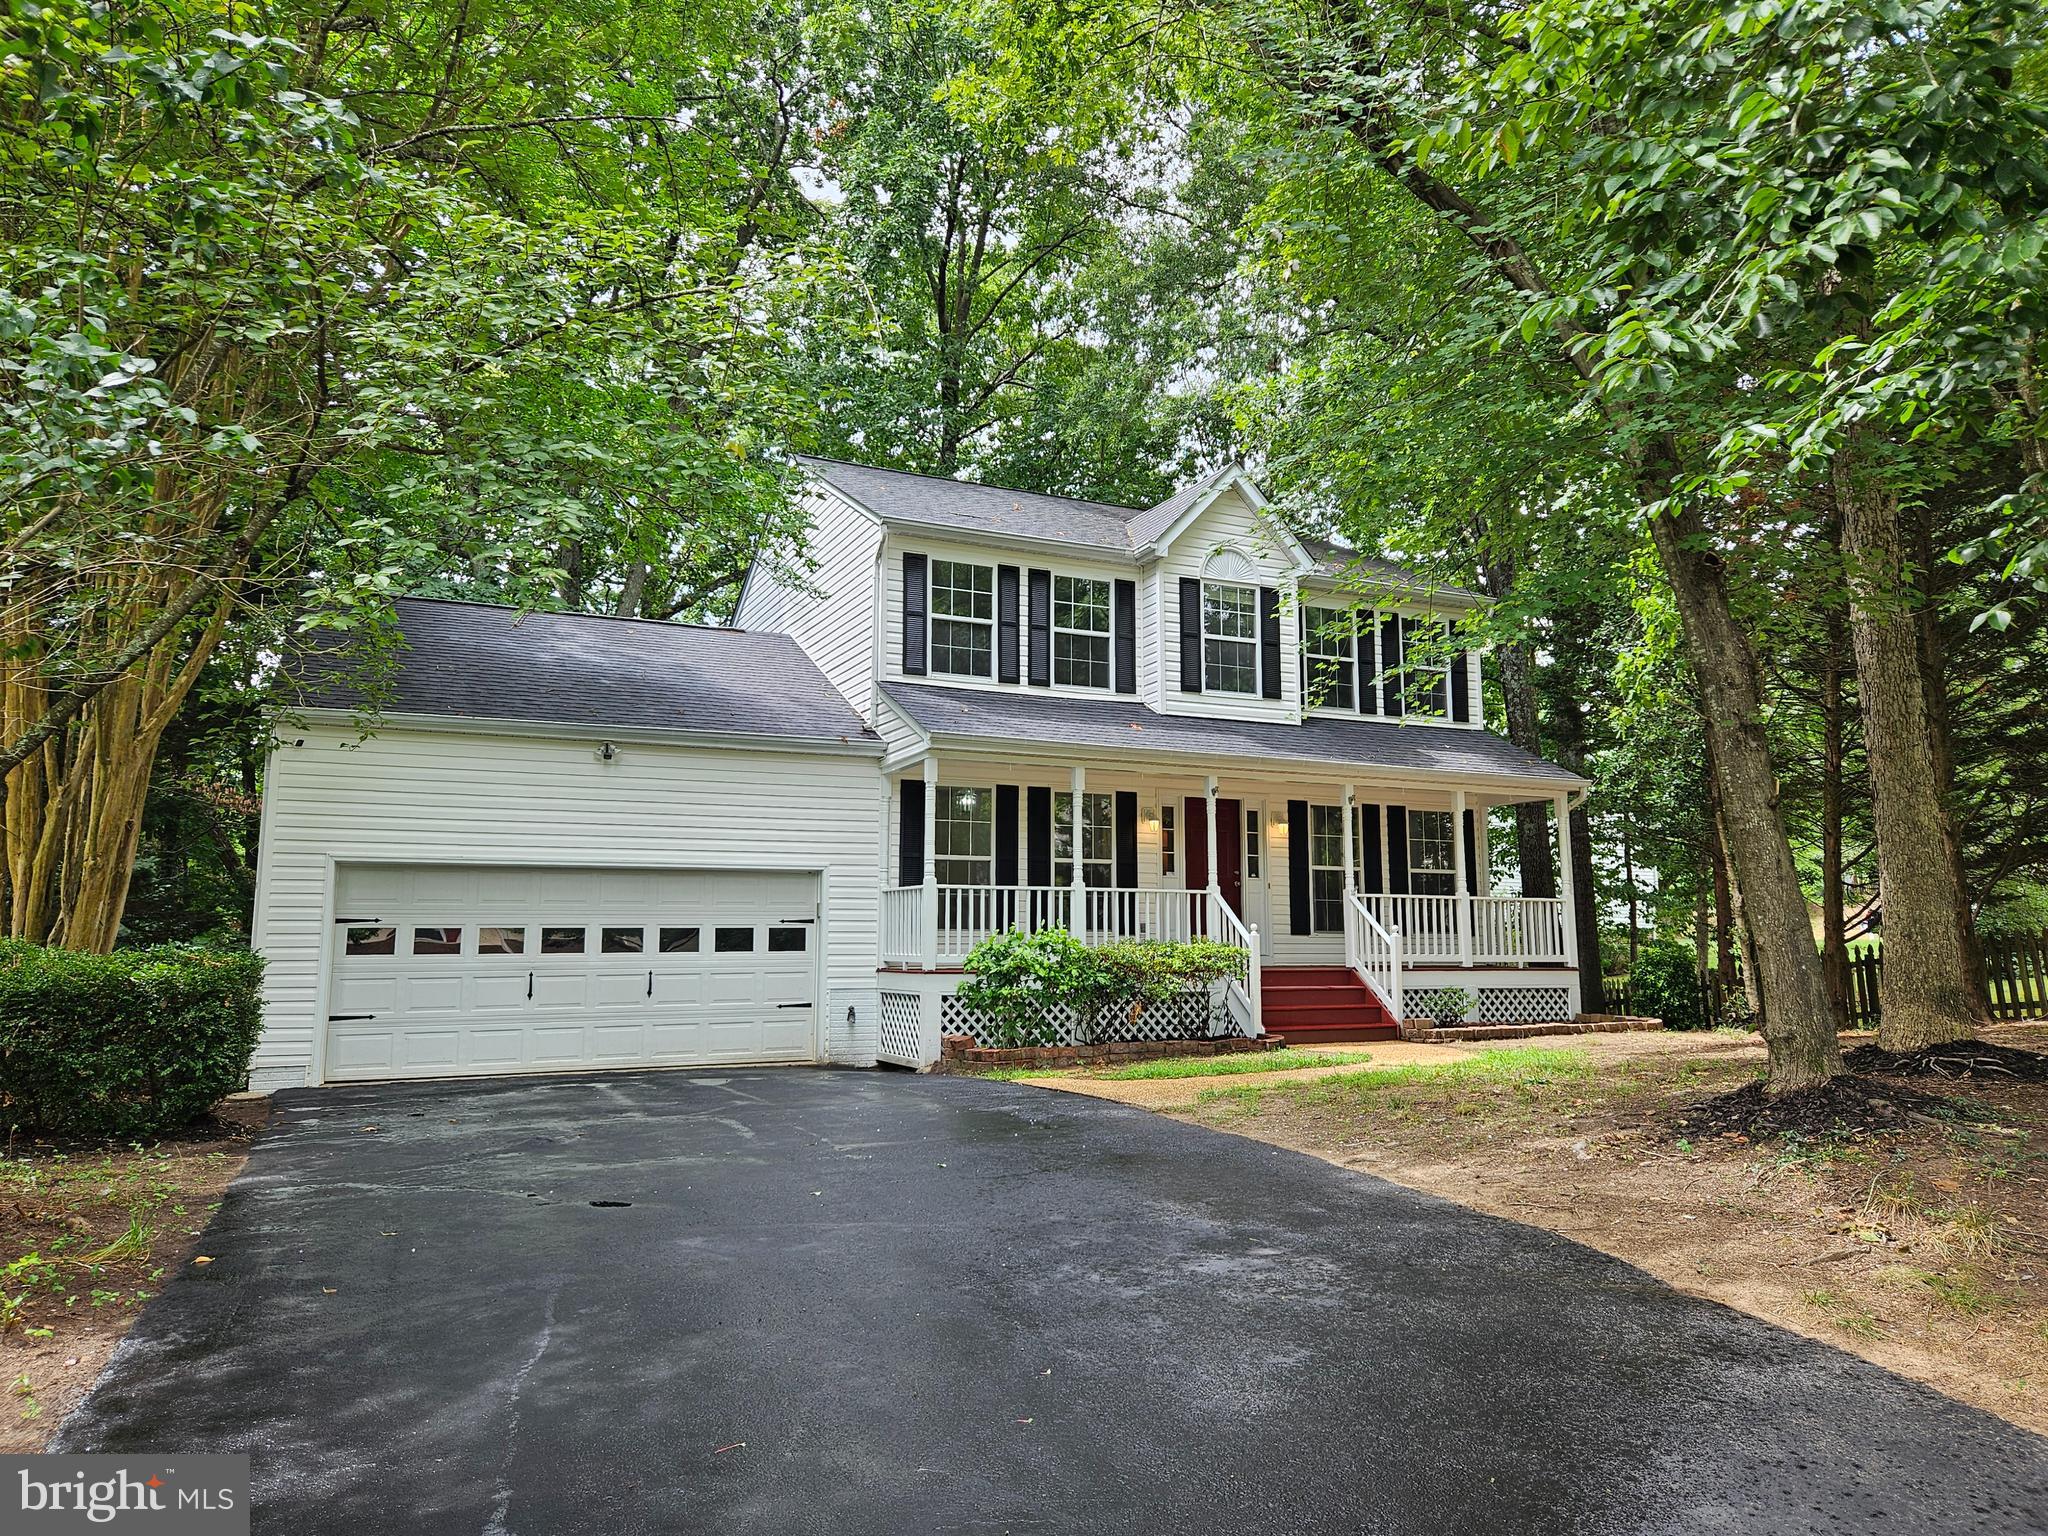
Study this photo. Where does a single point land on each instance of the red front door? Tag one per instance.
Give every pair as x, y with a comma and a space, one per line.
1229, 849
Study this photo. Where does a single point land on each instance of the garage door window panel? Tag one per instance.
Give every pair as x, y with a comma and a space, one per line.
372, 941
561, 941
623, 941
437, 941
679, 941
787, 941
734, 941
500, 941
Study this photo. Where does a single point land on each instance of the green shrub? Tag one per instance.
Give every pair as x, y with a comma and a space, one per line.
1023, 983
1447, 1006
1131, 975
1665, 986
134, 1043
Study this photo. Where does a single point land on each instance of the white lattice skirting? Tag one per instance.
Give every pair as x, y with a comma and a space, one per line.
1504, 1005
899, 1042
1524, 1005
1191, 1016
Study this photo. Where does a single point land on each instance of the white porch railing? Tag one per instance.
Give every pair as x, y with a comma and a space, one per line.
1508, 928
1373, 953
1428, 925
924, 927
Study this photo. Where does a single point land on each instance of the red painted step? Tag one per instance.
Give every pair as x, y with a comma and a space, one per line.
1322, 1004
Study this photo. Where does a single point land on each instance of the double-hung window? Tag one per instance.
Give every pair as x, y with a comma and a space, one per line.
1326, 868
1426, 658
1098, 839
963, 610
1080, 632
1327, 642
1230, 638
1431, 871
963, 836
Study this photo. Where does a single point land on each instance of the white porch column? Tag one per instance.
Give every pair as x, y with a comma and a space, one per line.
1459, 882
1209, 810
1350, 851
1079, 784
931, 862
1567, 917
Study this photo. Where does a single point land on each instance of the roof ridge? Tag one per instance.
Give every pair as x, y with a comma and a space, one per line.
580, 613
976, 485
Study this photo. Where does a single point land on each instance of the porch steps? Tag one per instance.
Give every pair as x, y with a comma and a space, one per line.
1322, 1004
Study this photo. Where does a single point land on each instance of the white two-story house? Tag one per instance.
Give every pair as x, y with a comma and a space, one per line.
571, 842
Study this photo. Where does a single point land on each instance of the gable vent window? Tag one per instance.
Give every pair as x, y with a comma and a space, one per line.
1080, 632
1230, 638
1332, 672
963, 618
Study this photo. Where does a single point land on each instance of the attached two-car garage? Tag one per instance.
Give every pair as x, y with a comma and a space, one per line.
452, 970
564, 843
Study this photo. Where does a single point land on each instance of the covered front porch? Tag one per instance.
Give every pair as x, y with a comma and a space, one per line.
1380, 877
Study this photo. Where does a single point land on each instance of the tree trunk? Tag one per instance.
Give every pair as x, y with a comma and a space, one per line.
1514, 668
1798, 1025
1919, 534
1924, 991
1628, 859
1834, 942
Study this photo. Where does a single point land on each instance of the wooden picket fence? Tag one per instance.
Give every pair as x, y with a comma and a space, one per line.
2018, 971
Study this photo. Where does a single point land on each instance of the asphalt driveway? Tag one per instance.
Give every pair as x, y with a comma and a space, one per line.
796, 1300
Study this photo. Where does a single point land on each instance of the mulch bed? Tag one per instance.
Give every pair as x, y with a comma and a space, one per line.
1843, 1107
1973, 1059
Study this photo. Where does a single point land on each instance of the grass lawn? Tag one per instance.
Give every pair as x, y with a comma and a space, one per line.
87, 1236
1287, 1059
1502, 1070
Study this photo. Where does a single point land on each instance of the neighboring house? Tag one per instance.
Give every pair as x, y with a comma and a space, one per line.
578, 842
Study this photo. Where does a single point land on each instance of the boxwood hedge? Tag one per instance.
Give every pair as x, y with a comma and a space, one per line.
130, 1044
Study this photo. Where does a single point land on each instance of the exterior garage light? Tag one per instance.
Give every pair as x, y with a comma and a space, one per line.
607, 752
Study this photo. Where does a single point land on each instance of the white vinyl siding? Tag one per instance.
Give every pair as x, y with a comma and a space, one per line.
445, 796
830, 611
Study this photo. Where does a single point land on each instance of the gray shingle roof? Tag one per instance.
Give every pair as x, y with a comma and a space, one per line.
1348, 565
479, 661
1124, 725
899, 497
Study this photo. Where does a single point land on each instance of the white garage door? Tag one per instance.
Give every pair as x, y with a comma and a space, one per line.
451, 970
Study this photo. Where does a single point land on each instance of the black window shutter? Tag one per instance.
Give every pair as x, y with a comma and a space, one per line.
1300, 913
913, 615
1390, 663
1125, 623
1471, 854
1397, 849
1038, 835
1006, 833
910, 833
1369, 850
1269, 642
1461, 687
1006, 624
1041, 628
1190, 635
1127, 839
1368, 687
